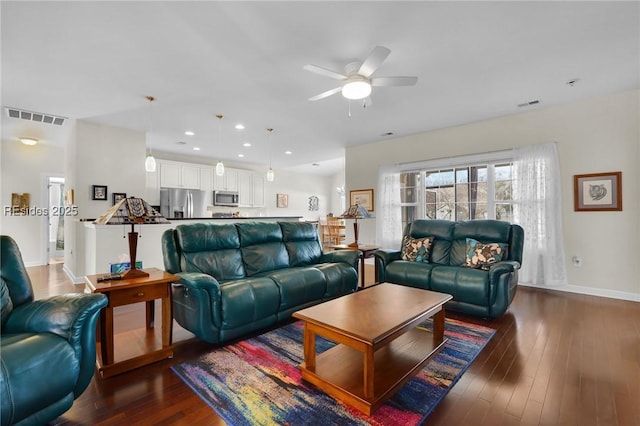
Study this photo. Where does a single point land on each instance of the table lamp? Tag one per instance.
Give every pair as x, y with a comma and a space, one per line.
355, 212
133, 211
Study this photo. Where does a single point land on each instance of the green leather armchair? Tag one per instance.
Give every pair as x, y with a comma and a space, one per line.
47, 347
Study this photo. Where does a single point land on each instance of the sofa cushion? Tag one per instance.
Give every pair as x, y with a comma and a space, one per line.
442, 231
416, 249
466, 285
482, 255
301, 242
414, 274
262, 247
299, 286
248, 300
340, 278
485, 231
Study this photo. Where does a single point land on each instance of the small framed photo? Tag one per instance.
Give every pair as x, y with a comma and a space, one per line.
362, 197
98, 192
117, 196
282, 201
597, 192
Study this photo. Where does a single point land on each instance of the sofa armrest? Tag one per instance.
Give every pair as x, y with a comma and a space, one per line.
383, 258
347, 256
200, 285
63, 315
70, 316
503, 280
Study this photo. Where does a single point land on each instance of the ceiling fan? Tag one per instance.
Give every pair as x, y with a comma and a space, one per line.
356, 82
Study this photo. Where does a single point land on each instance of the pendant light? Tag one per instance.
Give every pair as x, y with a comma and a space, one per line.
149, 162
270, 174
220, 166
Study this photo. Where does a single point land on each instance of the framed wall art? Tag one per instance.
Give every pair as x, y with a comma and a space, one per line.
597, 192
362, 197
282, 201
98, 192
117, 196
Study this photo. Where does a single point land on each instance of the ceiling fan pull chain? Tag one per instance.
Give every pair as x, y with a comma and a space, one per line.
349, 103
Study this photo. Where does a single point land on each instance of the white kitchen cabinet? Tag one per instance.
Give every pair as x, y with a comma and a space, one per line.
250, 189
206, 178
175, 174
226, 182
152, 193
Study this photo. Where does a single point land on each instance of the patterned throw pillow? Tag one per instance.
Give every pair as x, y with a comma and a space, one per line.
416, 249
482, 255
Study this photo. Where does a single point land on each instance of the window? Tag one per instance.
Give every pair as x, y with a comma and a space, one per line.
465, 192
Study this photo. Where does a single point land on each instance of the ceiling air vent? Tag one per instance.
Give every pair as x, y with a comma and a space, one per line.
530, 103
35, 116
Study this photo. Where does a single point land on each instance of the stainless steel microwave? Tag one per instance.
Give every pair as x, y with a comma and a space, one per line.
225, 198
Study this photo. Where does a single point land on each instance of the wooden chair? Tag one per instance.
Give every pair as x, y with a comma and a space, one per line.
335, 230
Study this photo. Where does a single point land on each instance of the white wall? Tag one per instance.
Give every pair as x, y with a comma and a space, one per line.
23, 171
595, 135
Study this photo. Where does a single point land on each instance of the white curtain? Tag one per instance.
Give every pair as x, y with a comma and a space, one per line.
538, 209
388, 211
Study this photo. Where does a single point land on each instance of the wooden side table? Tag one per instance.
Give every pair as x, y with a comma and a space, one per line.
124, 292
367, 252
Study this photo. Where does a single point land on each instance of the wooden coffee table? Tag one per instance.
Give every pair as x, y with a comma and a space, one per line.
379, 347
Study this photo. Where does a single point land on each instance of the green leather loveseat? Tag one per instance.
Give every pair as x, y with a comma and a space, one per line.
475, 261
242, 277
47, 346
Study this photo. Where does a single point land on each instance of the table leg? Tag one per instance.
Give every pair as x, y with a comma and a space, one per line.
369, 376
106, 336
362, 273
151, 313
438, 327
167, 320
309, 348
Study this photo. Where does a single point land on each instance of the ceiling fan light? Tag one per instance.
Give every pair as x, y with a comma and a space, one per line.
219, 168
150, 163
355, 90
270, 175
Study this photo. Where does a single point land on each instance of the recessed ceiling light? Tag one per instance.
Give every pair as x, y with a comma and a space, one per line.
246, 144
189, 133
29, 141
195, 148
288, 152
240, 155
239, 126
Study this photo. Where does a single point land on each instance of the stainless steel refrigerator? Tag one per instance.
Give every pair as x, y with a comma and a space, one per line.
181, 203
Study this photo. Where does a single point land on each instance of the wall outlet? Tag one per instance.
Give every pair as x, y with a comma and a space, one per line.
577, 261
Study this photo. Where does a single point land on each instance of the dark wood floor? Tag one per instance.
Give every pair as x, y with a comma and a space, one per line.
556, 359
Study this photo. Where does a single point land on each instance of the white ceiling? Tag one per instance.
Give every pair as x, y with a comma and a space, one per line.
474, 60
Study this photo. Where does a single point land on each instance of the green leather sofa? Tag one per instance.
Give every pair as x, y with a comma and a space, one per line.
242, 277
47, 346
484, 292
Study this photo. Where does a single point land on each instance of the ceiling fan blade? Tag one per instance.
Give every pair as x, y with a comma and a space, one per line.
326, 94
323, 71
394, 81
373, 61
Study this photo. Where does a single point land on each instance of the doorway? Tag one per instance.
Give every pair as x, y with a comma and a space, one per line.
55, 226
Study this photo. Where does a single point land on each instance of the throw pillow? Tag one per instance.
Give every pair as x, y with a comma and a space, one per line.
416, 249
482, 255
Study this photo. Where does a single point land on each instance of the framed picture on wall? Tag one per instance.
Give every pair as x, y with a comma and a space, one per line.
282, 201
362, 197
597, 192
98, 192
117, 196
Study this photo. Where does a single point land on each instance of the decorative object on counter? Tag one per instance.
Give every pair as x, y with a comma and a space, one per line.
597, 192
133, 211
20, 204
362, 197
282, 201
314, 203
70, 197
150, 161
270, 174
356, 212
117, 196
98, 192
220, 166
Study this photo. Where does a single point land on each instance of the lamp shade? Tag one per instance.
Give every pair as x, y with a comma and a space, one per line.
150, 163
220, 168
271, 175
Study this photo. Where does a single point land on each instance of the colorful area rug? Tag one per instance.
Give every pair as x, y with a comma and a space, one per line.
257, 381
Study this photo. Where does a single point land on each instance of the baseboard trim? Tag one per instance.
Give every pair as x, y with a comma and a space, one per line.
71, 276
591, 291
